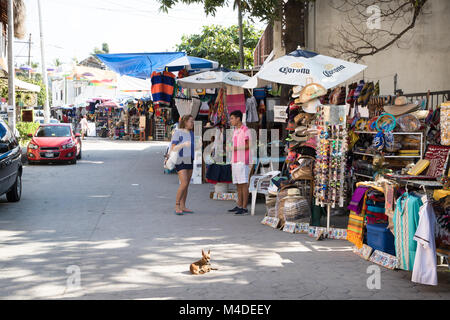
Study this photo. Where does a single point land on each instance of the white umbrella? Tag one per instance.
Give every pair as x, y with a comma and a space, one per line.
191, 63
213, 79
302, 67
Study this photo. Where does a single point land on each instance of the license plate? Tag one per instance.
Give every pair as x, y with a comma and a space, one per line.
49, 155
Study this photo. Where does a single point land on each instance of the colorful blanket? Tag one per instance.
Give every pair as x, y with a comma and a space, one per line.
355, 229
356, 202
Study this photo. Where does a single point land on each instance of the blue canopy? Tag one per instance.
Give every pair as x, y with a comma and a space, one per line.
139, 65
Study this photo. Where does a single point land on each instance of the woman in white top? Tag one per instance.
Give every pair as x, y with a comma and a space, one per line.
183, 143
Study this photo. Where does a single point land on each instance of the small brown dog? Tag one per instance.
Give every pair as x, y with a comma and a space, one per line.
203, 265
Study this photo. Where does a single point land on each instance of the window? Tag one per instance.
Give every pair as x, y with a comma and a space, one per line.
7, 140
53, 131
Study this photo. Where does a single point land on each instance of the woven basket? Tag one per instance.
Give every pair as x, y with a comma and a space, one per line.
292, 209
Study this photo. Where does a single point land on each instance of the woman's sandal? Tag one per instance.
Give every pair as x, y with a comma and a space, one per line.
188, 211
179, 213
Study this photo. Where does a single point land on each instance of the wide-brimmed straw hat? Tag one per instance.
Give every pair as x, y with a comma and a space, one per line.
296, 91
401, 107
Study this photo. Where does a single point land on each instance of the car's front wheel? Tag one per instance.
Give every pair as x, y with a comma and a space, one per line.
16, 192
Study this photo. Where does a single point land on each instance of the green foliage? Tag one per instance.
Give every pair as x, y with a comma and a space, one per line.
22, 96
222, 44
261, 9
24, 129
37, 81
104, 49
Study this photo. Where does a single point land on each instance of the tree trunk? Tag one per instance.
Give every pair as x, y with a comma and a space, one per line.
295, 14
241, 37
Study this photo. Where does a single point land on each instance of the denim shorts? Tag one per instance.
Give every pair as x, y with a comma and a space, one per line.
184, 166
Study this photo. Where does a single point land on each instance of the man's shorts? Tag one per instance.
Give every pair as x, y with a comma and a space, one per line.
240, 172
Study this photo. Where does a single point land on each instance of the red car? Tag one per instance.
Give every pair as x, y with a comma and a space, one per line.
54, 143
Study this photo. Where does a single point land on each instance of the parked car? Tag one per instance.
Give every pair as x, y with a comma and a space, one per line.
52, 120
54, 143
10, 164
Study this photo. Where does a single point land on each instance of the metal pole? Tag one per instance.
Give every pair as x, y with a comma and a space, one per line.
328, 217
11, 70
44, 67
29, 57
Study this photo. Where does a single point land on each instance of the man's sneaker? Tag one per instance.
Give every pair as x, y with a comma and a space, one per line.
235, 209
241, 212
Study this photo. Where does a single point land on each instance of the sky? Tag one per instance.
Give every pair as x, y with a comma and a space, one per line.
73, 28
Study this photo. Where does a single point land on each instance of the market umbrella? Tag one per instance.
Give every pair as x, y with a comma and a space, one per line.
301, 67
214, 79
191, 63
109, 104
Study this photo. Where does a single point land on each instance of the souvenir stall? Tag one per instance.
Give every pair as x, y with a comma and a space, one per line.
219, 93
316, 163
390, 154
398, 214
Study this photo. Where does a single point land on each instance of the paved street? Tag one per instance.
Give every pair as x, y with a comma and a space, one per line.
111, 216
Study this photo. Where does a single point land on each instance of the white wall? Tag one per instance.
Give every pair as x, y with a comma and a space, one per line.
423, 62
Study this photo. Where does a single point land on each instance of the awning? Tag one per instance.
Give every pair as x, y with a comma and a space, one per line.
139, 65
25, 86
130, 84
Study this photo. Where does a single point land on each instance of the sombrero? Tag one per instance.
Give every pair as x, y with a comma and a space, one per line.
401, 107
311, 106
296, 91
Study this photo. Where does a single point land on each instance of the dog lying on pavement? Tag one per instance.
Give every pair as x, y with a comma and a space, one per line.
203, 265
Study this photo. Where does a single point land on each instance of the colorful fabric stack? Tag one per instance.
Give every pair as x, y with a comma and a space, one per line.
163, 84
375, 211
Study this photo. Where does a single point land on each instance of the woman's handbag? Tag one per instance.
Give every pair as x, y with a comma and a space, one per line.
171, 160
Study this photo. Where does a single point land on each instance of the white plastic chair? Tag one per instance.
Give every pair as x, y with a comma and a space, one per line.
259, 183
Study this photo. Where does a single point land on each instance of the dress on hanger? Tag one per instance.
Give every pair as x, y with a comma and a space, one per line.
424, 270
406, 220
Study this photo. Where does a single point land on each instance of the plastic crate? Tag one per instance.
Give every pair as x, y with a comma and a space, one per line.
380, 238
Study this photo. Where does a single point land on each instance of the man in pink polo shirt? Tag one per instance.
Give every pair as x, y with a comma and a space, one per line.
240, 162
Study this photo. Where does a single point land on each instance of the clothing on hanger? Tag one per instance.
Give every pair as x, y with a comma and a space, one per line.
424, 270
251, 107
406, 220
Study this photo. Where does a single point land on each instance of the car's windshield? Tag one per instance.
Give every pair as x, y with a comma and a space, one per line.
53, 131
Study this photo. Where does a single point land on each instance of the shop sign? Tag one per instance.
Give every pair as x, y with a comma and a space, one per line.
279, 113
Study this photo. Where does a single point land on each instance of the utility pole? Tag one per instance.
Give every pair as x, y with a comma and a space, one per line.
29, 57
44, 67
11, 69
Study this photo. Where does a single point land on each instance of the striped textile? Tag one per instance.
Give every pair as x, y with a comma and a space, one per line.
163, 84
355, 229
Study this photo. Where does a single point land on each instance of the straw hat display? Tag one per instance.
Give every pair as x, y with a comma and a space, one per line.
401, 107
